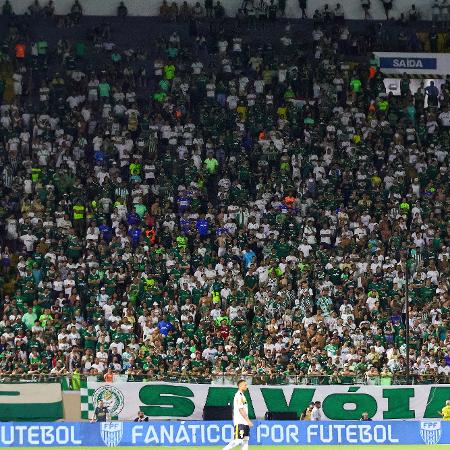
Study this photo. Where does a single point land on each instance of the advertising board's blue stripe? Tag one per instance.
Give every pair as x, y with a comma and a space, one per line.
188, 433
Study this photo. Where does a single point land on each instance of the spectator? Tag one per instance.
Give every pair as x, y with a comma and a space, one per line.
316, 413
209, 8
303, 5
7, 9
219, 10
413, 13
76, 12
122, 10
277, 206
436, 11
338, 13
49, 9
366, 8
35, 8
444, 13
141, 417
432, 93
387, 5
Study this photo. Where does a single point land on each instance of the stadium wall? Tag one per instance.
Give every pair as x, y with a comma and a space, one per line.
71, 405
352, 8
339, 402
179, 434
31, 402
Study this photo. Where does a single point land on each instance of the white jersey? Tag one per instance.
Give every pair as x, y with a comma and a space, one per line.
316, 414
239, 402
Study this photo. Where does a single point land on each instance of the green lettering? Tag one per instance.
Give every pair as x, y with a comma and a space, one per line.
398, 403
223, 396
276, 401
166, 400
436, 400
333, 406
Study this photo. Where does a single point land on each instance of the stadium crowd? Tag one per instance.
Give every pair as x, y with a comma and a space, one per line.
255, 213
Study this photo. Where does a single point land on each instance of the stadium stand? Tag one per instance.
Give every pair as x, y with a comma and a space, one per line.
193, 196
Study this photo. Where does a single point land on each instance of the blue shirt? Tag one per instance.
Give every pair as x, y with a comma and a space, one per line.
133, 218
99, 156
184, 225
202, 227
248, 257
135, 234
106, 232
164, 327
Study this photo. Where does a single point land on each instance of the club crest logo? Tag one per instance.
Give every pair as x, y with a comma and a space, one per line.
430, 432
112, 398
111, 433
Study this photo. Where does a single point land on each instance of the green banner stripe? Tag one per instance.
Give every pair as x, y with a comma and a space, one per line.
10, 393
43, 412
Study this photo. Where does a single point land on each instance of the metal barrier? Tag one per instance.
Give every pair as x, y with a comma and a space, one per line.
72, 381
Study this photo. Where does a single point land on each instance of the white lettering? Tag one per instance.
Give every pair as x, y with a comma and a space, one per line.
136, 433
379, 434
167, 434
73, 438
203, 431
62, 435
324, 439
311, 431
364, 434
151, 436
6, 441
292, 434
227, 433
194, 429
407, 63
213, 434
351, 434
182, 435
33, 435
262, 432
47, 436
390, 438
280, 430
339, 428
21, 429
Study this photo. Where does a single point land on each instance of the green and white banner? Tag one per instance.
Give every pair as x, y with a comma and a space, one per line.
31, 402
186, 401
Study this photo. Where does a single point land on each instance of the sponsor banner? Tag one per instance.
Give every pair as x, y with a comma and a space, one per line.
188, 433
31, 401
414, 63
339, 402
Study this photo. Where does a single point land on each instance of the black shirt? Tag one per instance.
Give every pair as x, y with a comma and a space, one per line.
141, 419
100, 413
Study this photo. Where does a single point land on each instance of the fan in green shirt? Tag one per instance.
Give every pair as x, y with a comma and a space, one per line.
104, 89
211, 165
356, 84
29, 318
80, 49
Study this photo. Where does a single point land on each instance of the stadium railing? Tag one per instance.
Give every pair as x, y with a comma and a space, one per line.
73, 381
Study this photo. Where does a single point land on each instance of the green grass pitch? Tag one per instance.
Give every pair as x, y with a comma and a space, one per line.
270, 447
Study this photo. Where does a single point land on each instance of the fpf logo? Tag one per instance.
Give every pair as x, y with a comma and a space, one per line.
430, 432
111, 433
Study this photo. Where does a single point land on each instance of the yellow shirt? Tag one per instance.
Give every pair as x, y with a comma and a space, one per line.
446, 412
